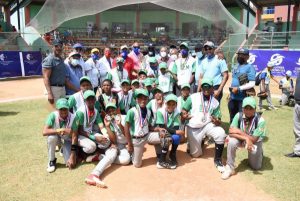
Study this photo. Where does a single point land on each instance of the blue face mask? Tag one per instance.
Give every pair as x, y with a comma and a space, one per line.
210, 56
199, 55
124, 54
184, 53
136, 50
95, 57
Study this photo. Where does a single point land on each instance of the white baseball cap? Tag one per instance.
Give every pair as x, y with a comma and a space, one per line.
288, 73
123, 47
270, 64
209, 44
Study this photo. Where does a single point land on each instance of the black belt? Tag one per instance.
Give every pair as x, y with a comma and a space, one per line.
139, 137
57, 85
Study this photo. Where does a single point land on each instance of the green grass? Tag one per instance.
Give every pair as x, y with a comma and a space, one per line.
23, 157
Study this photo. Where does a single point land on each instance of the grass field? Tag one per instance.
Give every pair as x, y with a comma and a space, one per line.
23, 157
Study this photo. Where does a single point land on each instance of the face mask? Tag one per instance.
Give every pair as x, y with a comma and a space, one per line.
107, 54
95, 57
124, 54
199, 55
163, 54
75, 62
240, 60
136, 50
210, 56
173, 57
184, 53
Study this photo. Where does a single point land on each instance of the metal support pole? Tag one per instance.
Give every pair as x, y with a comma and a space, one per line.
18, 14
288, 24
248, 12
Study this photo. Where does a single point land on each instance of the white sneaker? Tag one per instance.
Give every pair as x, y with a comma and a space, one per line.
51, 166
227, 173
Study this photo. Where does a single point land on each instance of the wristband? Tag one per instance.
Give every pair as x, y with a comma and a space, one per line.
74, 147
92, 137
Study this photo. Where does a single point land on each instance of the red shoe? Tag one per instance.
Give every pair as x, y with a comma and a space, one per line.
94, 180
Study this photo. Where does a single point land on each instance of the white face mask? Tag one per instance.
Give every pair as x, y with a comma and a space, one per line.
163, 54
75, 62
173, 57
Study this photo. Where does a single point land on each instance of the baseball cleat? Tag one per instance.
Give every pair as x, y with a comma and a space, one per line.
93, 158
227, 173
165, 165
51, 166
94, 180
220, 167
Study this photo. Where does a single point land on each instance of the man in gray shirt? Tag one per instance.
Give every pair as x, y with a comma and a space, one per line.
54, 74
296, 152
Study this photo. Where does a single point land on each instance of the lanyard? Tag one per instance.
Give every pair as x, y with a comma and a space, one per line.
89, 121
107, 98
62, 120
120, 75
183, 65
142, 121
125, 100
206, 109
167, 117
250, 127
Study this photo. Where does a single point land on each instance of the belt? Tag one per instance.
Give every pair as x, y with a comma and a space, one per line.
57, 85
139, 137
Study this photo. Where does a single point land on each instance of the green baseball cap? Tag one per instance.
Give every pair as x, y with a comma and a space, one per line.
185, 86
62, 103
157, 89
125, 81
184, 44
152, 60
163, 65
135, 81
249, 101
148, 82
207, 81
108, 105
143, 72
88, 93
142, 92
171, 97
85, 78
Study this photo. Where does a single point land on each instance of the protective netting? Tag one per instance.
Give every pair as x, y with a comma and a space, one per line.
54, 13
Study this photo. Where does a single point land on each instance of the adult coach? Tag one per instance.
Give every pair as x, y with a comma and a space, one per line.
213, 68
54, 74
296, 152
242, 72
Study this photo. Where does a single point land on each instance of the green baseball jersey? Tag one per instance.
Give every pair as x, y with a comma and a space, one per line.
55, 122
169, 120
86, 121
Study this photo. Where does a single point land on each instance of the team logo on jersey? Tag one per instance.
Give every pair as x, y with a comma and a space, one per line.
2, 57
298, 63
252, 58
29, 57
277, 59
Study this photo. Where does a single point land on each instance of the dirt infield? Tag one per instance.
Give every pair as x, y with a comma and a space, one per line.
194, 179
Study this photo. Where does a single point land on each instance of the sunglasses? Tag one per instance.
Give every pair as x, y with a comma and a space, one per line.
208, 48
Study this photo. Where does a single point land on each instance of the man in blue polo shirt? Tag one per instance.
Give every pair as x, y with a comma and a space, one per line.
243, 78
213, 68
74, 71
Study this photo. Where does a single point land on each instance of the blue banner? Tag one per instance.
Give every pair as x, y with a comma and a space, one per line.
10, 65
32, 63
283, 60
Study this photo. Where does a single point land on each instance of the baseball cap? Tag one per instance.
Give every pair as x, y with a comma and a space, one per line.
125, 81
123, 47
209, 44
249, 101
95, 50
88, 94
184, 44
108, 105
148, 82
171, 97
85, 78
157, 89
270, 64
288, 73
74, 54
142, 72
142, 92
207, 81
135, 81
62, 103
163, 65
77, 45
152, 60
57, 42
243, 51
185, 86
120, 60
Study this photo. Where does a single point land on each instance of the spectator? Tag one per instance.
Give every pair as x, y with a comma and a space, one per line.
136, 56
92, 68
287, 87
105, 64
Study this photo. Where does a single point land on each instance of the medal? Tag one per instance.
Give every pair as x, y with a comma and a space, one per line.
204, 118
205, 108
